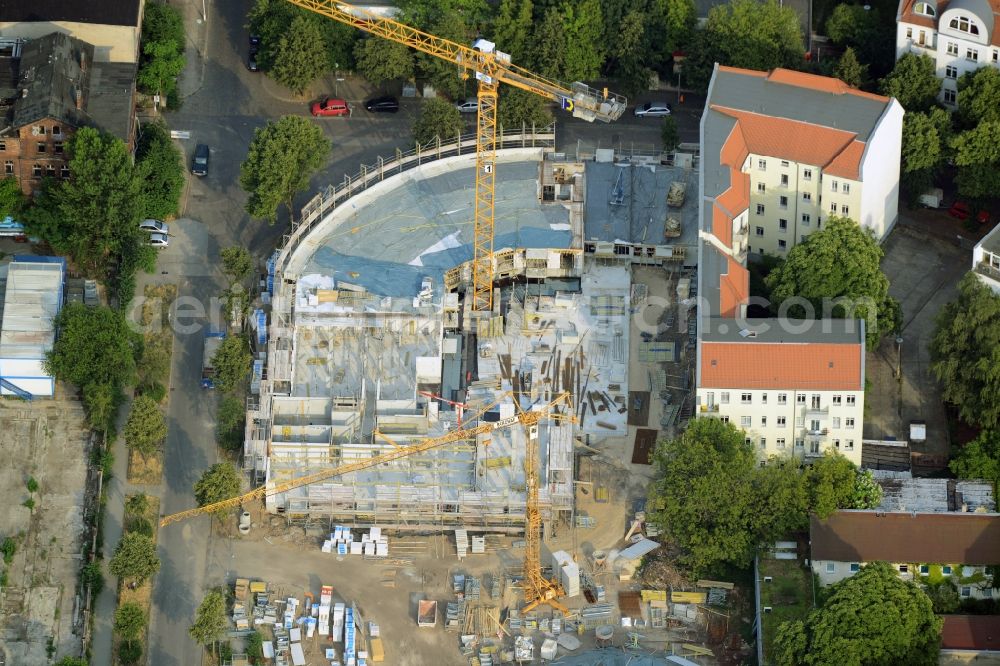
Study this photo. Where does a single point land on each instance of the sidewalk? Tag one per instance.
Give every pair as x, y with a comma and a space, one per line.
195, 52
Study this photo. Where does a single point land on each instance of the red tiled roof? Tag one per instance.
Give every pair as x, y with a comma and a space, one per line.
943, 538
970, 632
908, 16
722, 225
796, 140
847, 163
782, 365
734, 288
790, 77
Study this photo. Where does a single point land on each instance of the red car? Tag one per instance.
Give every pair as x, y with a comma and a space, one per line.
961, 211
331, 106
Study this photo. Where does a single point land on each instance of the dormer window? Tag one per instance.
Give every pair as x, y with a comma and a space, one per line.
924, 9
963, 24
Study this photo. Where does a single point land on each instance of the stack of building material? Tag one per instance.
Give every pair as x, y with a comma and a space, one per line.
426, 613
568, 571
478, 545
597, 615
471, 588
549, 647
496, 585
350, 648
454, 615
462, 543
241, 589
325, 599
524, 649
338, 622
458, 585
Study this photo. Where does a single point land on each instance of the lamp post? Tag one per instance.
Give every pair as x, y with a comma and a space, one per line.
899, 364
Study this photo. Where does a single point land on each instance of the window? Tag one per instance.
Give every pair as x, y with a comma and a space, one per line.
963, 24
64, 172
849, 446
780, 443
946, 570
748, 441
784, 179
745, 421
833, 208
58, 147
782, 244
851, 400
784, 163
904, 568
815, 402
762, 164
760, 231
849, 423
952, 49
724, 397
799, 443
38, 130
996, 55
805, 219
3, 145
831, 567
763, 398
807, 196
783, 202
763, 422
807, 174
56, 130
800, 399
987, 592
41, 146
846, 189
949, 96
763, 442
724, 419
814, 425
814, 447
966, 591
781, 421
845, 210
836, 421
782, 398
909, 33
802, 238
760, 209
924, 8
783, 225
855, 567
799, 421
972, 54
951, 72
836, 400
50, 171
36, 171
924, 569
761, 187
836, 444
8, 167
746, 398
833, 185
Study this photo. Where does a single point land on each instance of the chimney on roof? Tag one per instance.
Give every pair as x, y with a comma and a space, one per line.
79, 99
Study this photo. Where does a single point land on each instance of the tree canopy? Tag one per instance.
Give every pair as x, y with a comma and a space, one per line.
380, 60
135, 558
438, 118
965, 352
849, 70
282, 157
838, 267
160, 167
146, 428
272, 19
926, 137
512, 28
210, 620
517, 107
12, 200
913, 82
861, 29
237, 263
300, 55
162, 41
977, 156
979, 459
220, 482
873, 617
979, 96
130, 620
232, 363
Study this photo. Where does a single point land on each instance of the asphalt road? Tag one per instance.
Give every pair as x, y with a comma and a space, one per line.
223, 104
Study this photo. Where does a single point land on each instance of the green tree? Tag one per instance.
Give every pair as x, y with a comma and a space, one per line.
162, 57
862, 29
71, 661
210, 620
781, 506
849, 70
283, 156
979, 459
548, 57
220, 482
94, 346
926, 138
519, 107
137, 505
669, 135
129, 653
300, 56
512, 28
944, 596
443, 75
979, 96
146, 428
671, 25
977, 156
913, 82
584, 27
237, 263
629, 53
135, 558
867, 493
130, 621
703, 495
232, 363
229, 423
161, 170
12, 200
840, 265
831, 482
438, 118
873, 617
101, 401
965, 353
255, 646
162, 23
380, 60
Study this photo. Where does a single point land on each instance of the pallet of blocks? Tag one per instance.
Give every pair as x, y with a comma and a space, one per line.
325, 598
462, 543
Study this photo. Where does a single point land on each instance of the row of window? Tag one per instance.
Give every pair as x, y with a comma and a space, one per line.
40, 130
971, 54
781, 421
806, 175
845, 210
37, 170
800, 444
800, 399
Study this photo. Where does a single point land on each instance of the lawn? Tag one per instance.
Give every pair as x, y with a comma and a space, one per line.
789, 594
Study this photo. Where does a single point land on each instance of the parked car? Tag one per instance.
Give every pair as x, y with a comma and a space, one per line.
254, 44
653, 110
960, 210
158, 226
470, 105
159, 240
330, 106
199, 163
387, 104
252, 62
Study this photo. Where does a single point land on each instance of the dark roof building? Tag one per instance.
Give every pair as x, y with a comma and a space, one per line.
106, 12
112, 27
971, 632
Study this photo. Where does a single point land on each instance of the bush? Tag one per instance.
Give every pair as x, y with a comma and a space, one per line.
141, 526
154, 390
91, 576
174, 101
8, 548
129, 653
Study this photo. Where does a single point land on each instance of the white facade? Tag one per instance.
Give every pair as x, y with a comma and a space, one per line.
27, 332
789, 422
971, 582
878, 202
986, 260
960, 40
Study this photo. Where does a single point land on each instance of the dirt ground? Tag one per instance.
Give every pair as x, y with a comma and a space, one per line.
47, 440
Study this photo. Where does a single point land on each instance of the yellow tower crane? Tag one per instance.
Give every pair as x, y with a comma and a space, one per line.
490, 67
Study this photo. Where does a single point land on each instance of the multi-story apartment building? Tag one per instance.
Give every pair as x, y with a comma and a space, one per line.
960, 35
778, 149
816, 148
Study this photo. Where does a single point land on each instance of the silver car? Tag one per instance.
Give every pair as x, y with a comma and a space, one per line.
652, 110
470, 105
159, 240
157, 226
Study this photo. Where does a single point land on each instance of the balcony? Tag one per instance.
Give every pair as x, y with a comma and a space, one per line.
817, 412
822, 432
920, 48
705, 409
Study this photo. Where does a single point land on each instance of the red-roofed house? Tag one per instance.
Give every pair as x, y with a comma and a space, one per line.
959, 35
